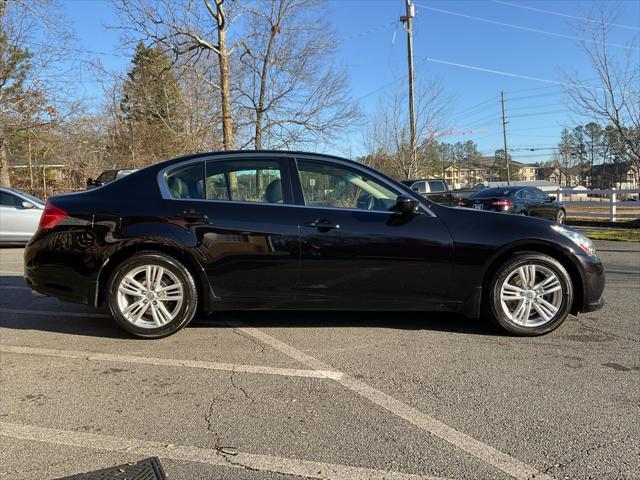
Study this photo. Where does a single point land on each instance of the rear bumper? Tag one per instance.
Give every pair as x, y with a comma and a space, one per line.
593, 281
66, 287
63, 274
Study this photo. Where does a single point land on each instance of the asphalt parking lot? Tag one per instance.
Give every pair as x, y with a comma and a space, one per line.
322, 395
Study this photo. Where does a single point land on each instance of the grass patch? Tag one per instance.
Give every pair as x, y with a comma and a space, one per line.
626, 235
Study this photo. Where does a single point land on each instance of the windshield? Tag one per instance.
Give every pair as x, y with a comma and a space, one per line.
32, 198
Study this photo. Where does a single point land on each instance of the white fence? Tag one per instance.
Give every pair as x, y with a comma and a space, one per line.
615, 202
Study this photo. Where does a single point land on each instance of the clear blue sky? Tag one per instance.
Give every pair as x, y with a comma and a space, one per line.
374, 52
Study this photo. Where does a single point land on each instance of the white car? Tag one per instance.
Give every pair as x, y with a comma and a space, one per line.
19, 215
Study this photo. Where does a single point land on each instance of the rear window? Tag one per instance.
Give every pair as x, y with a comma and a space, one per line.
187, 182
492, 192
436, 186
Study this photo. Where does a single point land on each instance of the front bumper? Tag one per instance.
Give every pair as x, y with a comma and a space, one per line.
593, 283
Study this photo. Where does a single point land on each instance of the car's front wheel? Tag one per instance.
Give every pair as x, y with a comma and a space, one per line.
561, 216
530, 294
152, 295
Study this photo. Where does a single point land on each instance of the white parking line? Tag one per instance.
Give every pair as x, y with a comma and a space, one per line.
10, 272
252, 461
484, 452
487, 453
171, 362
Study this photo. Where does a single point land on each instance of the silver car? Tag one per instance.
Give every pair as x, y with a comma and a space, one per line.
19, 215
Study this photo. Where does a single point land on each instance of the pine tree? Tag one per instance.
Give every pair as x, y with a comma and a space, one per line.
150, 108
14, 68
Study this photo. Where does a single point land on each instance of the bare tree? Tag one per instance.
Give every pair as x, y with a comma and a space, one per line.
615, 98
33, 83
387, 138
290, 89
189, 30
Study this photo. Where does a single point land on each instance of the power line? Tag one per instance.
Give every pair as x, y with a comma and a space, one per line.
550, 12
474, 108
508, 74
519, 27
369, 31
529, 107
381, 87
539, 95
537, 114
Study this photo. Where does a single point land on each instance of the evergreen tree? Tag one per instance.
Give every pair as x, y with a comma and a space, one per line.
14, 68
150, 108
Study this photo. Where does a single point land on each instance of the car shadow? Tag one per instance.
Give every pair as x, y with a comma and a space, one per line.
15, 315
399, 320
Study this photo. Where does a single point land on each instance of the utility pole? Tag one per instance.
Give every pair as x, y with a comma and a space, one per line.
406, 19
504, 135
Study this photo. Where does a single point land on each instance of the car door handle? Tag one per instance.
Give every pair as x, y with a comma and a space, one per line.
193, 214
322, 225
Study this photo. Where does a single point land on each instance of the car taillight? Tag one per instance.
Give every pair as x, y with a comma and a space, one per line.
463, 203
501, 203
51, 216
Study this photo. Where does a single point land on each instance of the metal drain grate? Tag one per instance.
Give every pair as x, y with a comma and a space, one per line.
147, 469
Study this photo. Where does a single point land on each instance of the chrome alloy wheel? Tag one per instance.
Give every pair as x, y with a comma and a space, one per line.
531, 295
150, 296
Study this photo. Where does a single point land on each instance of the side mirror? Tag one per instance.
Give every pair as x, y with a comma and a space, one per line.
89, 181
406, 205
551, 198
27, 205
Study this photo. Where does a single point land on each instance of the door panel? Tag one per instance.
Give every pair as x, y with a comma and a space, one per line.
18, 224
374, 260
533, 203
235, 215
356, 252
250, 252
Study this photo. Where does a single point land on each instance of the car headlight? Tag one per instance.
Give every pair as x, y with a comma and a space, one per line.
585, 243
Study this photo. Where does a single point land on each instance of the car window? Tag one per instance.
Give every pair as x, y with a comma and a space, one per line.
8, 200
492, 192
540, 195
520, 194
186, 182
108, 176
258, 181
436, 186
33, 199
329, 185
419, 187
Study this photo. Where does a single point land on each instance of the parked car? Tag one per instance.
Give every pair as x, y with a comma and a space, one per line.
292, 230
19, 215
437, 190
529, 201
108, 176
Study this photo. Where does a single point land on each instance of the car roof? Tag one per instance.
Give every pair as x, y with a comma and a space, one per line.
12, 190
287, 153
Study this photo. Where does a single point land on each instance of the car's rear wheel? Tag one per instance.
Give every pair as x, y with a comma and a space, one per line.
530, 294
152, 295
561, 216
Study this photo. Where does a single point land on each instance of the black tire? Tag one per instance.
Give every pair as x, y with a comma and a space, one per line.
492, 304
185, 312
561, 216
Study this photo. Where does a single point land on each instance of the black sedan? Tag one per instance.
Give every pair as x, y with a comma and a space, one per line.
529, 201
291, 230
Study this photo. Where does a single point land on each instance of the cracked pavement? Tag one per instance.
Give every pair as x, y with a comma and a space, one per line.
566, 404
